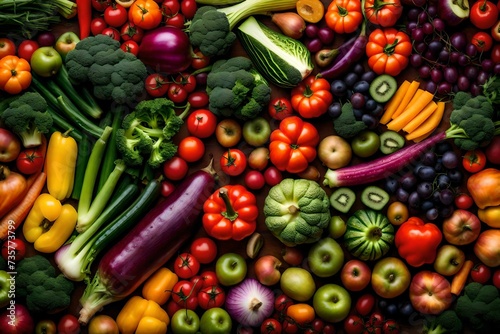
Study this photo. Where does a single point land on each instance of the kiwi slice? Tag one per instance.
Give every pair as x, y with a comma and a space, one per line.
391, 141
383, 87
374, 197
342, 199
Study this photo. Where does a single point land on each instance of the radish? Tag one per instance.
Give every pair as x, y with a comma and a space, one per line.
380, 168
149, 245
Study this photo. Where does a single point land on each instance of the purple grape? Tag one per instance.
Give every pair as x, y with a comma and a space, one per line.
450, 74
358, 100
424, 72
458, 40
334, 109
420, 47
358, 113
391, 185
414, 200
402, 195
416, 60
454, 55
417, 34
463, 60
471, 50
413, 14
338, 88
482, 77
446, 196
410, 26
370, 121
426, 173
326, 35
432, 10
496, 69
422, 17
429, 158
368, 76
378, 111
201, 79
408, 181
443, 147
428, 28
444, 56
350, 79
475, 89
314, 45
471, 72
424, 190
456, 176
450, 159
431, 87
419, 3
432, 214
435, 46
361, 87
431, 55
426, 205
487, 65
370, 104
443, 181
463, 83
436, 75
446, 211
439, 24
311, 30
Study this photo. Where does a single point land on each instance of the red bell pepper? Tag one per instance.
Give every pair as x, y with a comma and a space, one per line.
230, 213
417, 242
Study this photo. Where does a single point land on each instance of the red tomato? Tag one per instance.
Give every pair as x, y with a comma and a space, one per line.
376, 319
204, 249
30, 161
199, 60
167, 188
365, 304
383, 12
156, 85
176, 20
187, 81
68, 324
273, 176
26, 49
201, 123
198, 99
353, 324
182, 295
270, 326
175, 169
130, 46
282, 302
7, 47
209, 278
233, 162
289, 326
191, 149
495, 54
13, 249
101, 5
186, 265
116, 15
97, 25
188, 8
254, 180
391, 327
463, 201
111, 32
482, 41
483, 14
170, 7
474, 161
177, 93
480, 273
211, 296
496, 278
280, 107
129, 31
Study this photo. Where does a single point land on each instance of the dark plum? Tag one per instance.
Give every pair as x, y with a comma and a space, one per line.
334, 109
414, 199
311, 30
446, 196
350, 79
426, 205
426, 173
326, 35
314, 45
402, 195
359, 69
424, 189
456, 176
338, 88
432, 214
429, 158
370, 121
391, 185
370, 104
357, 100
450, 159
443, 181
368, 76
408, 181
361, 87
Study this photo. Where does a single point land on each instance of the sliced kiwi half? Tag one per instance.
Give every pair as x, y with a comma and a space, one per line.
374, 197
342, 199
383, 87
391, 141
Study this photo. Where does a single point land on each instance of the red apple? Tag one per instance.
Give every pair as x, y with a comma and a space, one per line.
461, 228
267, 270
355, 275
292, 255
487, 247
430, 292
10, 146
16, 319
496, 278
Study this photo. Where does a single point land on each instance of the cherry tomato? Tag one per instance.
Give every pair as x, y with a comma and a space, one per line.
111, 32
365, 304
464, 201
254, 180
26, 49
116, 15
198, 99
211, 296
172, 307
130, 46
201, 123
483, 14
191, 148
481, 273
474, 161
175, 169
199, 60
156, 85
353, 324
167, 188
170, 7
97, 25
482, 41
280, 107
184, 296
209, 278
233, 162
129, 31
13, 249
391, 327
186, 265
68, 324
176, 20
273, 176
188, 8
282, 302
376, 319
495, 54
177, 93
30, 160
187, 81
7, 47
197, 281
271, 326
496, 278
289, 326
101, 5
204, 249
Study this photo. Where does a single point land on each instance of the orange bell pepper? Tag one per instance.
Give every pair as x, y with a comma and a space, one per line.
141, 316
15, 74
484, 187
159, 286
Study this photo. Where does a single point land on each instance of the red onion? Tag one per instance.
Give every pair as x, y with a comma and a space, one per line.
250, 302
290, 23
166, 49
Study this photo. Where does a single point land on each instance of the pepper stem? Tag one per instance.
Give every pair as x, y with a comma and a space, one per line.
230, 213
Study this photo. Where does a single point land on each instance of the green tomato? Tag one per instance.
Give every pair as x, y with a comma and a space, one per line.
332, 302
365, 144
326, 257
215, 321
231, 269
4, 288
297, 283
185, 321
46, 61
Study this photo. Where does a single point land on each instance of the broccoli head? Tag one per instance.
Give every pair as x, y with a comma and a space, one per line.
346, 125
446, 322
43, 289
146, 132
235, 88
479, 307
27, 116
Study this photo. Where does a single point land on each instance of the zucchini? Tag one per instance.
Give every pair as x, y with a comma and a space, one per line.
282, 60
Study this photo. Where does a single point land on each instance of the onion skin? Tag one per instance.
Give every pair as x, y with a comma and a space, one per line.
166, 49
290, 23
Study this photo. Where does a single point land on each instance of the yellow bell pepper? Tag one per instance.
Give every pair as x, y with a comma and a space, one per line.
60, 165
140, 316
158, 287
490, 216
49, 223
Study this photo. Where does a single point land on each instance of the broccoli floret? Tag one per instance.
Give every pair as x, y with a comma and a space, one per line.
346, 125
235, 88
43, 289
27, 116
146, 132
460, 99
447, 322
479, 306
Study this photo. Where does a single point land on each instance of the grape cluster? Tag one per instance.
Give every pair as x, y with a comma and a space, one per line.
446, 63
429, 187
354, 87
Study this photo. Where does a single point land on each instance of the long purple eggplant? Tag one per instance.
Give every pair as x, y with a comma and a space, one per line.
149, 245
344, 60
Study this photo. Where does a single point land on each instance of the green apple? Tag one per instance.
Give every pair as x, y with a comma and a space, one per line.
257, 131
390, 277
185, 321
46, 61
326, 257
230, 268
337, 227
332, 302
5, 282
215, 321
365, 144
449, 260
297, 283
66, 42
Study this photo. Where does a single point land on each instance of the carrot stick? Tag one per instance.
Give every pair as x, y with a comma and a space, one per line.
13, 219
414, 107
410, 93
421, 117
429, 125
460, 278
393, 104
